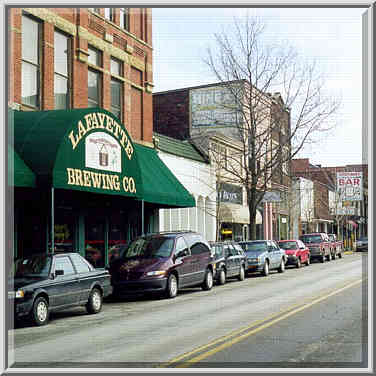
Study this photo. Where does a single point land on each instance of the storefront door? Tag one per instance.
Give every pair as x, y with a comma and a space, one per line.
95, 230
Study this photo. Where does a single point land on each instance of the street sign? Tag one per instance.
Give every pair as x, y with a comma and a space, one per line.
350, 186
272, 196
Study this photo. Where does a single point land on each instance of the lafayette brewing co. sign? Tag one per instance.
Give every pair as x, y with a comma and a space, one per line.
97, 155
350, 186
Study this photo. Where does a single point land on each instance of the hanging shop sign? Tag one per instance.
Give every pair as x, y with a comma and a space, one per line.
272, 196
350, 186
103, 155
230, 193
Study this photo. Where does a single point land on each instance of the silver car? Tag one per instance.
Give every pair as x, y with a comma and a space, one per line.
263, 256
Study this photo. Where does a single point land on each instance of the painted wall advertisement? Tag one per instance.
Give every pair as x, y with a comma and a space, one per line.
213, 106
350, 186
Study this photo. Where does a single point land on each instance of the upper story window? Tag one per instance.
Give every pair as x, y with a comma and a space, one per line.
95, 56
109, 14
116, 67
30, 62
94, 88
94, 78
116, 88
124, 18
61, 67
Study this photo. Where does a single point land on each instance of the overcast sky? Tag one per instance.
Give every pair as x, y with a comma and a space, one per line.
331, 37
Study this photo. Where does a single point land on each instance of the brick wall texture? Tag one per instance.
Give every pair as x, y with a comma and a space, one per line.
133, 49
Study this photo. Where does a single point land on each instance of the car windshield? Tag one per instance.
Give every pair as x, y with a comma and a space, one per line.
288, 245
149, 247
311, 239
254, 246
33, 266
331, 238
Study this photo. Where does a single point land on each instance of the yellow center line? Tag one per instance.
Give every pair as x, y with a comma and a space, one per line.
249, 333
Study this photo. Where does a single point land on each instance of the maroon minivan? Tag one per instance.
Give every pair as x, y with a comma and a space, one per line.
163, 262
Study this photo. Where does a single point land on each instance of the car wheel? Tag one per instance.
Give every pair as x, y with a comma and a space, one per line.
265, 270
222, 277
340, 255
94, 303
334, 255
281, 268
241, 276
308, 261
40, 312
172, 286
208, 281
329, 257
298, 263
322, 258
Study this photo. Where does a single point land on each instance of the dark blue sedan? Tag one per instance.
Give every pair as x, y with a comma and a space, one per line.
44, 283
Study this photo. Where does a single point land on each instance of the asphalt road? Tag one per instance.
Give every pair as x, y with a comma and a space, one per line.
309, 317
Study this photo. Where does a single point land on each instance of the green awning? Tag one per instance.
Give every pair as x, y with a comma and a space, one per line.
90, 150
159, 184
82, 149
19, 174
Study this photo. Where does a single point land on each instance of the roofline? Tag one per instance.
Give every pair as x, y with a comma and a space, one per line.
204, 156
199, 86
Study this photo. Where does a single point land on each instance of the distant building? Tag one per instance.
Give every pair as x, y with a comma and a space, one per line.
208, 116
325, 178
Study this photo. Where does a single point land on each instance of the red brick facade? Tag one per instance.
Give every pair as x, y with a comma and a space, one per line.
171, 114
84, 27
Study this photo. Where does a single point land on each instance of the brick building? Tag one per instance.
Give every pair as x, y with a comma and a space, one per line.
80, 128
208, 115
64, 58
325, 184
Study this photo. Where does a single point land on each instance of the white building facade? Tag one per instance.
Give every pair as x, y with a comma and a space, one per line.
198, 178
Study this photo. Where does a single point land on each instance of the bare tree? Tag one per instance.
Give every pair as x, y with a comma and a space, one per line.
271, 130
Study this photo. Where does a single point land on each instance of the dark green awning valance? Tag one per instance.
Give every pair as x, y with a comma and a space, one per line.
90, 150
19, 174
159, 184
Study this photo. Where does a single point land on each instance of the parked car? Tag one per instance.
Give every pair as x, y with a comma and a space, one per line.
336, 246
230, 261
296, 251
163, 262
45, 283
263, 256
362, 244
318, 244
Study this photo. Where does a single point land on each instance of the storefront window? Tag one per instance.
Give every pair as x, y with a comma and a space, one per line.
64, 235
116, 237
94, 241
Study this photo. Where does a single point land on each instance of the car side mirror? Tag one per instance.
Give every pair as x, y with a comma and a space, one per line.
59, 272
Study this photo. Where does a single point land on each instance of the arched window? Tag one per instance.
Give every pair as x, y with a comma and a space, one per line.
166, 220
193, 219
184, 219
201, 215
209, 219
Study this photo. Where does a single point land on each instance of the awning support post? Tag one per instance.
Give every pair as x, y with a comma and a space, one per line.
142, 217
52, 220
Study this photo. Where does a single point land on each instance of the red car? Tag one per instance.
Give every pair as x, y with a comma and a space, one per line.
296, 251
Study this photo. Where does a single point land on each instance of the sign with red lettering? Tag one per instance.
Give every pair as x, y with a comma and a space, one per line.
350, 186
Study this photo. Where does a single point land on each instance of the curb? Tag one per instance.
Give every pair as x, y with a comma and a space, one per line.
348, 252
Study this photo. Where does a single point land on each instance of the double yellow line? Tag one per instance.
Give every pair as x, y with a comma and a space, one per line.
224, 342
